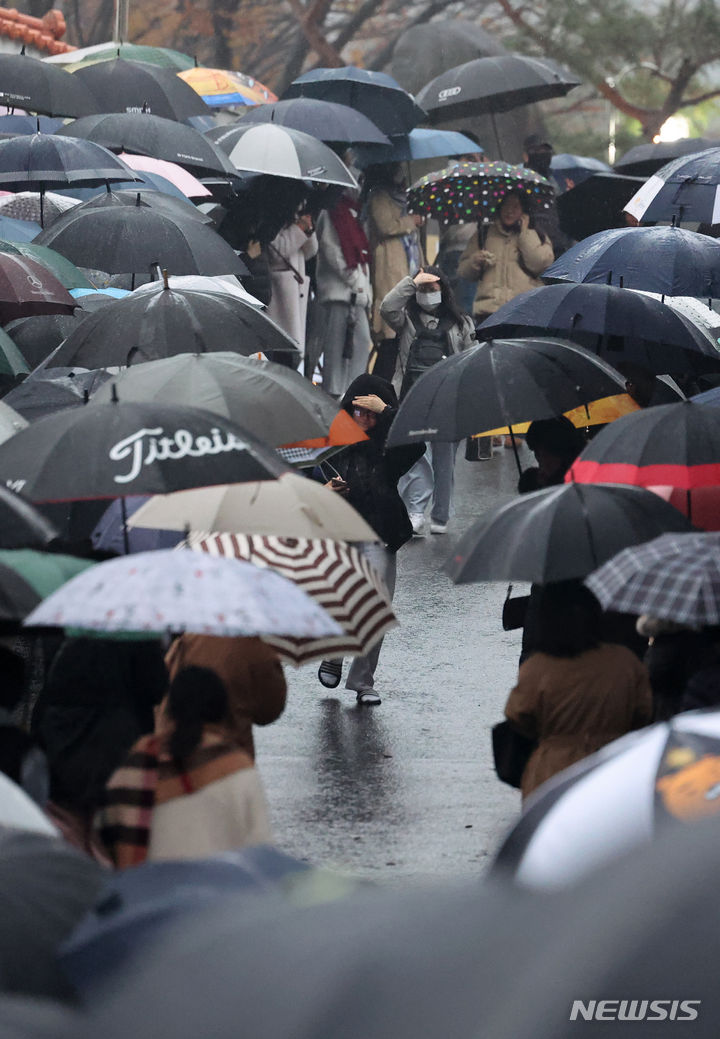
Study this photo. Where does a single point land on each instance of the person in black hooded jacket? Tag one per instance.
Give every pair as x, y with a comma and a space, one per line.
367, 476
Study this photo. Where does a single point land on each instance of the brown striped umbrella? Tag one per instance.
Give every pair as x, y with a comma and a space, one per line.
332, 573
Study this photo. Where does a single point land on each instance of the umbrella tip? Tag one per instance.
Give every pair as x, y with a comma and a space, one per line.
166, 280
138, 200
114, 396
86, 396
195, 60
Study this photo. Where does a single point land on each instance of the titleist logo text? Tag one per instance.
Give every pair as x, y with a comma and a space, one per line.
147, 446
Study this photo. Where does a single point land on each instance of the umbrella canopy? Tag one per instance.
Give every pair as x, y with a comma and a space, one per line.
163, 56
661, 259
67, 273
466, 192
130, 239
136, 86
21, 525
291, 506
17, 124
110, 450
12, 361
174, 207
645, 159
617, 324
674, 445
162, 322
687, 189
36, 86
283, 152
675, 577
418, 144
144, 181
560, 533
38, 335
595, 204
11, 422
26, 205
222, 87
46, 391
375, 94
26, 287
498, 383
48, 161
181, 179
322, 119
333, 574
47, 887
27, 577
615, 800
175, 590
144, 134
18, 230
275, 403
568, 170
18, 812
493, 84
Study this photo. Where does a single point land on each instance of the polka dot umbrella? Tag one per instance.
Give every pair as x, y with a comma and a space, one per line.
469, 191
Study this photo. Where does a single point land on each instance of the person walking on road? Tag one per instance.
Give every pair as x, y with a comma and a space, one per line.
429, 327
367, 476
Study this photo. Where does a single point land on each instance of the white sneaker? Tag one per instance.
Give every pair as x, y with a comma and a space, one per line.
418, 524
438, 528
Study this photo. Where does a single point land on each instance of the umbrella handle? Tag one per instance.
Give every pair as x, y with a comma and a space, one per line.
515, 450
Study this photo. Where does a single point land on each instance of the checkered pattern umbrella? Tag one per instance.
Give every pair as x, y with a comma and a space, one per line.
675, 577
335, 575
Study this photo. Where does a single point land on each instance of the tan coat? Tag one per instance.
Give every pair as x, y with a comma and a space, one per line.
575, 705
387, 225
519, 259
252, 674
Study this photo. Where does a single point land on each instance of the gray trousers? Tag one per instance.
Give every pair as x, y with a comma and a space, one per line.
432, 476
362, 670
339, 371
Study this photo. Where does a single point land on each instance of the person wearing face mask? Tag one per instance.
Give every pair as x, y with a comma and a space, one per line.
429, 326
506, 258
537, 155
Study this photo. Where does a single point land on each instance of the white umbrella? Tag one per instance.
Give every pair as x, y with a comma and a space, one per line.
179, 590
20, 812
11, 422
284, 152
616, 799
225, 285
292, 507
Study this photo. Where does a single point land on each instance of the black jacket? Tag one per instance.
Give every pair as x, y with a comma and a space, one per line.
372, 473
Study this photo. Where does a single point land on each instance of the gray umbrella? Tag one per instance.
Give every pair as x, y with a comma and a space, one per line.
284, 152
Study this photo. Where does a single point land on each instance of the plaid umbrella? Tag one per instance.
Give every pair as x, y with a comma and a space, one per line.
335, 575
675, 577
26, 205
467, 191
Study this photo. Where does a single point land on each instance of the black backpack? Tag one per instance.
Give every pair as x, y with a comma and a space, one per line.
427, 347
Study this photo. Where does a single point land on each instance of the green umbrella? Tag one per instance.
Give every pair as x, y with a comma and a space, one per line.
12, 361
70, 276
27, 577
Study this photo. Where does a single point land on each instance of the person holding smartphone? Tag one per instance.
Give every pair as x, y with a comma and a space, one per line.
367, 476
505, 258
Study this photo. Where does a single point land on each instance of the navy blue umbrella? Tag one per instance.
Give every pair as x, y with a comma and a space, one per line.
687, 189
568, 170
617, 324
375, 94
668, 260
418, 144
326, 120
644, 159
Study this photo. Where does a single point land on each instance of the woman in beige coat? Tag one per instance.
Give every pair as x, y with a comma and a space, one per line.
505, 260
395, 250
575, 693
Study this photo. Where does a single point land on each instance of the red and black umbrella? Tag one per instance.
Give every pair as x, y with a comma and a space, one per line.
673, 445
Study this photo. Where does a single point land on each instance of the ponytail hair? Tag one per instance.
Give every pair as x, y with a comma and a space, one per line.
197, 697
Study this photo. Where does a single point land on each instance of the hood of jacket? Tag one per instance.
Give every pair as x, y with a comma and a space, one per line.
366, 384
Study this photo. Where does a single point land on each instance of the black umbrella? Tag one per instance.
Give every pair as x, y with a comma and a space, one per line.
684, 190
375, 94
46, 391
596, 204
130, 239
162, 322
325, 120
500, 383
38, 86
644, 159
21, 525
660, 259
136, 86
491, 85
618, 324
144, 134
560, 533
41, 161
45, 888
176, 209
116, 449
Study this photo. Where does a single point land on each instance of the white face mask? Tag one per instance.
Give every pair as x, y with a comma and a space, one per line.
428, 300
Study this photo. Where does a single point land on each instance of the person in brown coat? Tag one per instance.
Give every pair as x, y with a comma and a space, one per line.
506, 258
250, 671
574, 694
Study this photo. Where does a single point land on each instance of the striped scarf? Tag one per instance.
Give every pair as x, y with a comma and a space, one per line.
151, 777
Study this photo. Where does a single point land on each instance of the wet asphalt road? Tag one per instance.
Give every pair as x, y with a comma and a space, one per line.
407, 789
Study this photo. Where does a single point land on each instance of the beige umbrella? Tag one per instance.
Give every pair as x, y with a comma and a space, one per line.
11, 422
291, 506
